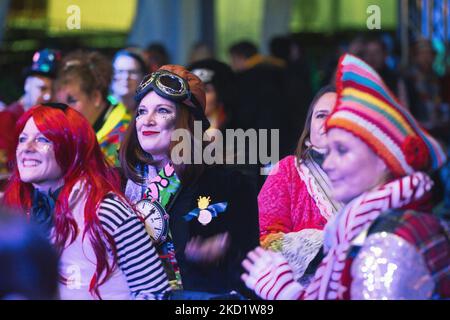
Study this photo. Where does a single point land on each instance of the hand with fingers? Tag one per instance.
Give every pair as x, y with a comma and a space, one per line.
270, 276
207, 250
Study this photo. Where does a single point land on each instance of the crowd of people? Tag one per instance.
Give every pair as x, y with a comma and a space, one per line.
96, 207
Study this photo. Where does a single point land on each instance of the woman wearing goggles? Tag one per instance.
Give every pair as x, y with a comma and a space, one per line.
202, 218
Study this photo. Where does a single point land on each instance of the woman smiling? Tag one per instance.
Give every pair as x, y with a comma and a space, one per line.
63, 183
295, 202
383, 244
202, 218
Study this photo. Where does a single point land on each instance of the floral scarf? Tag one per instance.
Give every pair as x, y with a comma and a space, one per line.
163, 188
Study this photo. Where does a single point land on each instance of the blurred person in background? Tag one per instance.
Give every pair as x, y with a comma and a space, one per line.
295, 201
298, 84
129, 68
220, 91
244, 55
200, 51
39, 80
355, 46
83, 83
426, 83
29, 263
375, 54
221, 99
262, 101
156, 56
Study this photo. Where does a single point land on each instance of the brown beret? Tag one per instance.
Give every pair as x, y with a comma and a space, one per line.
196, 86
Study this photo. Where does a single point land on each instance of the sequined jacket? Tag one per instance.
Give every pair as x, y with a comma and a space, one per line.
403, 255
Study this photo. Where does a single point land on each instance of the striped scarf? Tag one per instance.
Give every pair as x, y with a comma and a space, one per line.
354, 219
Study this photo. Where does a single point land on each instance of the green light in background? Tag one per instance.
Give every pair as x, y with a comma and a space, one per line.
235, 21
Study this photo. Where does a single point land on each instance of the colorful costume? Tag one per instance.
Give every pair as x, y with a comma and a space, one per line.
383, 244
111, 133
77, 261
293, 210
230, 202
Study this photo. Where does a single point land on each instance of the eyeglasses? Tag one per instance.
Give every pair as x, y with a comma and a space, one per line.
133, 74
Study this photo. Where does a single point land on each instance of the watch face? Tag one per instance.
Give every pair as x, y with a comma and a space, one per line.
156, 219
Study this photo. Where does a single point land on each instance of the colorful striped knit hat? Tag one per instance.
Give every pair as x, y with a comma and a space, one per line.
366, 108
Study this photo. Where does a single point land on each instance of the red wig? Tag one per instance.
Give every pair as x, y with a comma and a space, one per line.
79, 156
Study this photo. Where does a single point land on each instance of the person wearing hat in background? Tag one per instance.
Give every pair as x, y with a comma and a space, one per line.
156, 56
83, 83
39, 78
383, 244
202, 218
129, 68
221, 100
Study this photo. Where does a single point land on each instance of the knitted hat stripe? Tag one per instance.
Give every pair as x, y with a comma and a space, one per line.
352, 60
393, 115
370, 82
366, 85
373, 135
371, 115
379, 98
356, 66
362, 72
435, 151
376, 131
352, 64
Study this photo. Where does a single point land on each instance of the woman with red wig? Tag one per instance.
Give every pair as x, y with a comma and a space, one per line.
63, 183
202, 217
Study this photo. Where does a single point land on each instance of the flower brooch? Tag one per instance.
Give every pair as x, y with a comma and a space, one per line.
206, 212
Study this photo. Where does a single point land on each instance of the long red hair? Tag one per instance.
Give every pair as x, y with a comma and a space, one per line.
79, 156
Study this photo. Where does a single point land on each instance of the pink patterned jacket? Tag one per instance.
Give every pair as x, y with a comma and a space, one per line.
285, 204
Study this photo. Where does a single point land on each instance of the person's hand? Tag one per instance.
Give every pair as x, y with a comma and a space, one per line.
270, 276
209, 250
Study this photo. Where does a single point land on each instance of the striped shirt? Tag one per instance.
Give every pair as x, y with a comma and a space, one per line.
137, 257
